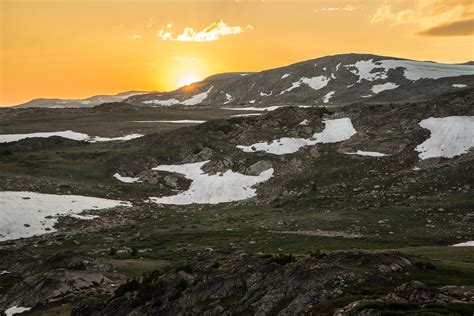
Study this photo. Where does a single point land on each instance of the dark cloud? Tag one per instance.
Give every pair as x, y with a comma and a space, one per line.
458, 28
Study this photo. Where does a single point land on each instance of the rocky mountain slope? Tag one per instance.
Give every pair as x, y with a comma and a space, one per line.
331, 80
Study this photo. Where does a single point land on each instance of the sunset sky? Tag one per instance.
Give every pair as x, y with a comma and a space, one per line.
79, 48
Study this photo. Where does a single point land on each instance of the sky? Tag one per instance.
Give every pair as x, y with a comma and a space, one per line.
80, 48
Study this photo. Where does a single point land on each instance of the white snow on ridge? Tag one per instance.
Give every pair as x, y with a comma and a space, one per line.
382, 87
6, 138
285, 76
16, 310
198, 98
367, 153
450, 136
328, 96
162, 102
464, 244
125, 179
212, 189
336, 130
194, 100
459, 85
314, 83
263, 94
24, 214
413, 70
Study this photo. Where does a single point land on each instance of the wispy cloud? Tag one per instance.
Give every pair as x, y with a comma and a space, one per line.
135, 37
435, 17
211, 33
458, 28
331, 9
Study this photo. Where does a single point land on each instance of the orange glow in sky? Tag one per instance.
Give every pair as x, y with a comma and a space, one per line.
78, 48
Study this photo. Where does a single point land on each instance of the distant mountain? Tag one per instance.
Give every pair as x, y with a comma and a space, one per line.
80, 103
331, 80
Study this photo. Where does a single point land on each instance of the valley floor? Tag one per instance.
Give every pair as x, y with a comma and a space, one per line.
319, 205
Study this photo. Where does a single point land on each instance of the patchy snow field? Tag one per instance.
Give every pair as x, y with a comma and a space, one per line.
450, 136
6, 138
212, 189
336, 130
459, 85
413, 70
24, 214
367, 153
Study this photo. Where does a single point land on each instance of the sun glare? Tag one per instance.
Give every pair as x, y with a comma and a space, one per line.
187, 80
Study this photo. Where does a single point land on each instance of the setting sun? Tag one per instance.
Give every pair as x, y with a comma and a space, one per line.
187, 80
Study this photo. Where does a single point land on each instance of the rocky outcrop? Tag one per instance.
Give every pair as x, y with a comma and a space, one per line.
65, 275
250, 284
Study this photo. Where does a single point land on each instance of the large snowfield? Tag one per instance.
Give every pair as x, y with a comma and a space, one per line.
25, 214
336, 130
450, 136
223, 187
6, 138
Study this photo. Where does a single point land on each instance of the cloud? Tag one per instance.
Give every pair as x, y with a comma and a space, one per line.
346, 8
435, 17
458, 28
211, 33
135, 37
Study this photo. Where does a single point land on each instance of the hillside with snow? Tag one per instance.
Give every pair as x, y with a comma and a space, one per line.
331, 80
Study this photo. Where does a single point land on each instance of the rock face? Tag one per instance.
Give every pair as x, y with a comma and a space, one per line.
331, 80
247, 284
63, 275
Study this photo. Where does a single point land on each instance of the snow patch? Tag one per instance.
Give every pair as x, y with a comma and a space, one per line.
168, 102
336, 130
450, 136
328, 96
16, 310
6, 138
126, 179
315, 83
198, 98
252, 101
229, 98
385, 86
465, 244
367, 153
224, 187
459, 85
304, 122
246, 115
285, 76
24, 214
263, 94
173, 121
